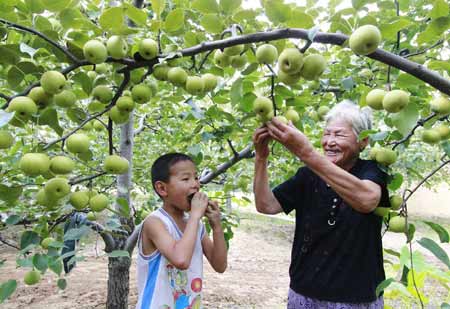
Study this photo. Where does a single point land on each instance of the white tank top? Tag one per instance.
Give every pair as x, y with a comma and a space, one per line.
162, 285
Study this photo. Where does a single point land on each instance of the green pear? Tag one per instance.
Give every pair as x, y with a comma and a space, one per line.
397, 224
177, 76
118, 116
386, 156
266, 54
314, 115
288, 79
23, 107
78, 143
53, 82
6, 139
441, 106
322, 111
395, 100
221, 60
431, 136
95, 52
101, 68
141, 93
45, 243
374, 98
125, 104
115, 164
290, 61
195, 85
373, 153
160, 71
98, 202
34, 164
313, 66
79, 199
117, 47
210, 81
95, 107
92, 75
57, 188
98, 125
265, 117
366, 74
396, 201
292, 115
262, 106
46, 201
444, 131
233, 50
61, 165
41, 98
65, 98
239, 61
32, 277
365, 40
281, 119
381, 211
148, 49
103, 94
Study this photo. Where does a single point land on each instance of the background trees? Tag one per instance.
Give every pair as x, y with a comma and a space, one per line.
176, 112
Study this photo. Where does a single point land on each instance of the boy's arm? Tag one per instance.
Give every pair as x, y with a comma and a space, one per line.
180, 252
215, 250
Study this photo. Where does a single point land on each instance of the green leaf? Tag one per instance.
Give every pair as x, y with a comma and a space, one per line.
396, 182
10, 194
438, 65
50, 117
250, 69
441, 231
5, 117
158, 6
13, 219
236, 92
410, 233
445, 306
15, 76
29, 238
212, 23
174, 20
55, 5
6, 289
40, 261
434, 30
124, 207
446, 147
119, 253
300, 19
277, 11
112, 19
389, 31
383, 285
406, 119
246, 104
348, 83
206, 6
229, 6
440, 9
83, 79
76, 233
432, 246
55, 266
138, 16
62, 283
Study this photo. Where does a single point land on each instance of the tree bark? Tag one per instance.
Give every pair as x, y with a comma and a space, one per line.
118, 282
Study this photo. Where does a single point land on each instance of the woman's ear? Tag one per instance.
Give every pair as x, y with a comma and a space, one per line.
363, 143
161, 188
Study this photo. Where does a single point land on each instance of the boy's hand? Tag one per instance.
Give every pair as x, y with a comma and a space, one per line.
199, 204
213, 214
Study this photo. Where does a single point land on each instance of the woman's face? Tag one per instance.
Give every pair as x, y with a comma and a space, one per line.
340, 144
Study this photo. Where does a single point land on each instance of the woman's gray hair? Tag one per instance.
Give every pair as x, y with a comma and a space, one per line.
359, 118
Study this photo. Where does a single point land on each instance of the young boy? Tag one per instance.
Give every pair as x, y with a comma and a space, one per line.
172, 243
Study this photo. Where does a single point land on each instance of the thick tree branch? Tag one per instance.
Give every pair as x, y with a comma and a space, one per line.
110, 243
42, 36
9, 244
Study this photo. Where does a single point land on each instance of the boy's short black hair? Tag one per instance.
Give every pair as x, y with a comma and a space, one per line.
161, 167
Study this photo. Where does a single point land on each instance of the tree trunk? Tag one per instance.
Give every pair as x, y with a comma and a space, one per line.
118, 282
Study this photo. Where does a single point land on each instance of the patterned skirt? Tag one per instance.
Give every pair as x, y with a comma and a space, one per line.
298, 301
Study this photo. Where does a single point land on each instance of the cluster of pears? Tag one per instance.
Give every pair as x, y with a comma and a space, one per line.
52, 89
436, 134
231, 56
82, 199
292, 64
263, 108
397, 222
383, 155
392, 101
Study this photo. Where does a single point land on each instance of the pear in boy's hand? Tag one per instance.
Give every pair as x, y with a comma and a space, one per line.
198, 204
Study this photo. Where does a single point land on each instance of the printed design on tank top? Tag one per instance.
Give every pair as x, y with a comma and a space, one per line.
178, 281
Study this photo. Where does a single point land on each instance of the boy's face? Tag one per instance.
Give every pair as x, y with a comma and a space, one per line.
183, 183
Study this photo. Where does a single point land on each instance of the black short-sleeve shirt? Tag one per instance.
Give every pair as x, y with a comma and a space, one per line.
337, 251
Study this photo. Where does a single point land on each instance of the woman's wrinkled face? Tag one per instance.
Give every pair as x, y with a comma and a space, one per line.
340, 143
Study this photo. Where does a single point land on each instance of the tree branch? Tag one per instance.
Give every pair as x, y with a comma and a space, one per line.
110, 243
423, 51
87, 178
42, 36
420, 123
4, 241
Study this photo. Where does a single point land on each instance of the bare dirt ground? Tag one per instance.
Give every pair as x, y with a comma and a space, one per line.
257, 276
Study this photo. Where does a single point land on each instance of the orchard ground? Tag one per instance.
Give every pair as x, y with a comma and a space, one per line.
257, 276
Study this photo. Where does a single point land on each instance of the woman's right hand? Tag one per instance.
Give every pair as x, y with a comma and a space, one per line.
261, 139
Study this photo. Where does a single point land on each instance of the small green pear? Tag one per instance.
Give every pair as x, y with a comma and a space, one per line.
177, 76
34, 164
431, 136
57, 188
266, 54
98, 203
291, 61
118, 116
41, 98
313, 66
115, 164
61, 165
65, 98
395, 100
374, 98
117, 47
195, 85
292, 115
148, 49
125, 104
103, 94
141, 93
79, 199
6, 139
233, 50
441, 106
396, 201
262, 106
78, 143
365, 40
221, 60
95, 52
397, 224
386, 156
210, 81
32, 277
53, 82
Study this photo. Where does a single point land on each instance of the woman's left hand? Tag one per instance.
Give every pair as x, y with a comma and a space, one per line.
290, 137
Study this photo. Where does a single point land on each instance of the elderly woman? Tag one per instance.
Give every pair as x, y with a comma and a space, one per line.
337, 257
